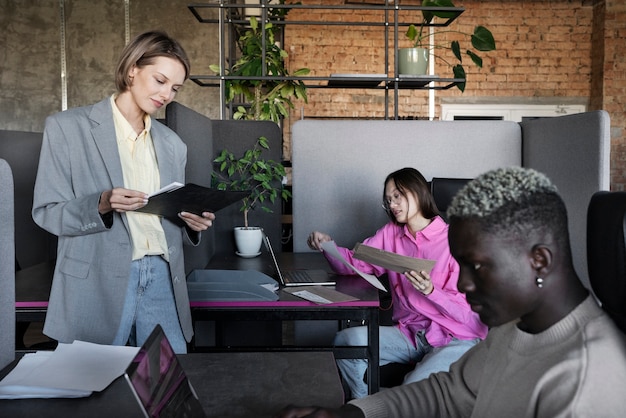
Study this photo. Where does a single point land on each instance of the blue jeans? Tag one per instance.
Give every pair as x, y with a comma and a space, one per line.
395, 347
150, 301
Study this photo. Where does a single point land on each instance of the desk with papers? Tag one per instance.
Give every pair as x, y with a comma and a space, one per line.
239, 385
33, 289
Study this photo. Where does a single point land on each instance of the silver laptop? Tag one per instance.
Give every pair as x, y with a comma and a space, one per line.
159, 383
304, 277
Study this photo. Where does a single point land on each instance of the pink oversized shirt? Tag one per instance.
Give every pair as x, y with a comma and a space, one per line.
444, 314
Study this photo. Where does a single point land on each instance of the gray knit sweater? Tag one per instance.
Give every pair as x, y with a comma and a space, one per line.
576, 368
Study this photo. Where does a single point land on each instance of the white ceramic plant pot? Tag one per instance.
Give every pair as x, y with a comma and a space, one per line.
248, 241
413, 61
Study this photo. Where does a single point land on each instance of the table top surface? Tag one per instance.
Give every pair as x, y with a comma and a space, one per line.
33, 284
239, 385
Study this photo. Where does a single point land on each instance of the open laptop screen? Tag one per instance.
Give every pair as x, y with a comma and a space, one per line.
159, 383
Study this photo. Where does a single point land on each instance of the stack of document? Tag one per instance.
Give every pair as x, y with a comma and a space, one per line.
376, 256
71, 371
391, 261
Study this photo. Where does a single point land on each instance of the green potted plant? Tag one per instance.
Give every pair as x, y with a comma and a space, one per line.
259, 79
269, 98
415, 60
261, 177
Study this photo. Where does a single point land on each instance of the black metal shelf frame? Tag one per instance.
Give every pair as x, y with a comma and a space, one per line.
230, 14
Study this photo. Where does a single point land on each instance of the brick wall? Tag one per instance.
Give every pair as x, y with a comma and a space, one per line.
545, 49
613, 90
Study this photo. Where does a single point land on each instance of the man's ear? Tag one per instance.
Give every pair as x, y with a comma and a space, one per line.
541, 259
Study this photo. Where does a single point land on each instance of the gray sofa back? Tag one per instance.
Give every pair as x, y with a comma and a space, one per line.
33, 245
574, 151
7, 266
339, 166
196, 131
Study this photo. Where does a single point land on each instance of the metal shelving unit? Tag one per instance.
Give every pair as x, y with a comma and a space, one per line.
232, 13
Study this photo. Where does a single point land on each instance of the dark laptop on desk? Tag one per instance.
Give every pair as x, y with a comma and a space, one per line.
159, 383
304, 277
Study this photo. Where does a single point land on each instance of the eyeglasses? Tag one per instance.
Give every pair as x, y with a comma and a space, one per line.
396, 199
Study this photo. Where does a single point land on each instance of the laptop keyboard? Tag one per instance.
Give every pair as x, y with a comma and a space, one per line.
298, 276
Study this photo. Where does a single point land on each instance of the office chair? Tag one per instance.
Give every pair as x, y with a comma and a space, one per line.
606, 252
443, 190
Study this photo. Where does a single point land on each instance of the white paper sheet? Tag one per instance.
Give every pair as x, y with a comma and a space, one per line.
72, 370
331, 248
320, 294
12, 386
170, 187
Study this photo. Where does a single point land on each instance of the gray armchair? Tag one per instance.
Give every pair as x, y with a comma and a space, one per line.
7, 266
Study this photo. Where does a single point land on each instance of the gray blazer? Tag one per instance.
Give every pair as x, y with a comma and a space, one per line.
79, 160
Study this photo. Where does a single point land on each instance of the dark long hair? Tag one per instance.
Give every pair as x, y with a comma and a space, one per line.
409, 180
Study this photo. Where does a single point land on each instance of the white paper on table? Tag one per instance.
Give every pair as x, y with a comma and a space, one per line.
12, 386
320, 294
331, 248
78, 368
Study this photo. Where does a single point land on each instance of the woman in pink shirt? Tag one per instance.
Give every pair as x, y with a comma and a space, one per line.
433, 323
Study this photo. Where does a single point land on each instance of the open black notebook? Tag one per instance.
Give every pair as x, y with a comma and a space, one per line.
190, 198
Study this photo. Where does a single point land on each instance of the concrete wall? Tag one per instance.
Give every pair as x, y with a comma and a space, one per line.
95, 30
560, 50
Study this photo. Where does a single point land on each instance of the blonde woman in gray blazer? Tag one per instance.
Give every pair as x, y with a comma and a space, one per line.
114, 279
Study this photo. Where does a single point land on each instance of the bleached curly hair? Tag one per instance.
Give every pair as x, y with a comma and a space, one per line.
514, 201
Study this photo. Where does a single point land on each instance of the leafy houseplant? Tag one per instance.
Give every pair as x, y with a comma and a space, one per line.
260, 77
269, 98
481, 40
250, 172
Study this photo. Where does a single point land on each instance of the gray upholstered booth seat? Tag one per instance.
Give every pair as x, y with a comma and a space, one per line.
7, 269
21, 150
339, 166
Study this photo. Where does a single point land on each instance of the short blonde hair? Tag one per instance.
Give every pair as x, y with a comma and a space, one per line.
512, 202
143, 50
494, 189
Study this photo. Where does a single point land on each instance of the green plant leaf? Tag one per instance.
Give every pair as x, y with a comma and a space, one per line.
281, 108
286, 91
301, 92
411, 32
477, 60
456, 49
459, 72
221, 157
482, 39
428, 15
301, 71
